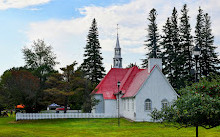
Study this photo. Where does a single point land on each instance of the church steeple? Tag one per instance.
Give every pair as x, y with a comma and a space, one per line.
117, 60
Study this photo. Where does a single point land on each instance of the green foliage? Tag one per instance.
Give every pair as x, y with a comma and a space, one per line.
69, 88
208, 85
2, 99
61, 84
208, 59
186, 45
171, 55
132, 65
40, 60
199, 29
198, 105
152, 38
19, 87
92, 65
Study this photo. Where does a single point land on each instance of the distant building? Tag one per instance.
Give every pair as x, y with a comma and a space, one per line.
142, 90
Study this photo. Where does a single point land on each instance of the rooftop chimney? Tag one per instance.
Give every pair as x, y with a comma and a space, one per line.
154, 61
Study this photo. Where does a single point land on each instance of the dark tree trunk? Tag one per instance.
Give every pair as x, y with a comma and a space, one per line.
197, 131
66, 102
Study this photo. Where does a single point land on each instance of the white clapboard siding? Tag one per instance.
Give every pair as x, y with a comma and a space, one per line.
32, 116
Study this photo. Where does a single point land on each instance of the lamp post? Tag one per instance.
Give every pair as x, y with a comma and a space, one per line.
196, 52
119, 92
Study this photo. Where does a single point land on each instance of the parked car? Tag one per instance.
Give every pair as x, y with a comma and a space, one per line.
62, 108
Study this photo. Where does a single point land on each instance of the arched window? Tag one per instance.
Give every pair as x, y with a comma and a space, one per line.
164, 103
148, 104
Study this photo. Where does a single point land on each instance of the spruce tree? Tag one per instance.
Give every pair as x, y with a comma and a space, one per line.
176, 55
186, 46
168, 51
171, 50
92, 65
199, 38
152, 38
209, 58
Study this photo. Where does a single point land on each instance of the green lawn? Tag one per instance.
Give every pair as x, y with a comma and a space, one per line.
95, 127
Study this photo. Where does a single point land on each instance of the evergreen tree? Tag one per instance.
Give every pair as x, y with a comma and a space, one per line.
171, 50
199, 37
186, 46
209, 58
152, 38
176, 54
92, 65
168, 51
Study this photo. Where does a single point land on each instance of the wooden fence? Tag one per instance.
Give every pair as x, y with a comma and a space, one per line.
32, 116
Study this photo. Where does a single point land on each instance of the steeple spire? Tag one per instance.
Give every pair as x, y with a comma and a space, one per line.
117, 60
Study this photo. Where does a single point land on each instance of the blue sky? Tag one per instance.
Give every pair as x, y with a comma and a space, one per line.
64, 25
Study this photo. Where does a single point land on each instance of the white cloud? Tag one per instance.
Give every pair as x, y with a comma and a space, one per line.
6, 4
68, 37
34, 9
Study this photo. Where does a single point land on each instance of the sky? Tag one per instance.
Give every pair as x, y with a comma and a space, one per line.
64, 24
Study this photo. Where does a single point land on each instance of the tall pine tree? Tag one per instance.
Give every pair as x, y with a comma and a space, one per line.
177, 56
92, 65
168, 51
186, 46
172, 50
199, 38
209, 58
152, 38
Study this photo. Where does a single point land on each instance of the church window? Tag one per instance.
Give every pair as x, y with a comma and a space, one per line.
148, 104
164, 103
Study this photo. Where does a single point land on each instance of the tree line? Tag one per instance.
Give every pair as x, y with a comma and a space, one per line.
37, 84
176, 43
199, 102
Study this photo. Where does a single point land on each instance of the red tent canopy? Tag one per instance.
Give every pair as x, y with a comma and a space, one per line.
20, 106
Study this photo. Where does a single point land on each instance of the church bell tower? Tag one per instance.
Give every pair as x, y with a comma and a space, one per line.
117, 60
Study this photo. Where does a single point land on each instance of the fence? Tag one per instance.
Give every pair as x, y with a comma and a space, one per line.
32, 116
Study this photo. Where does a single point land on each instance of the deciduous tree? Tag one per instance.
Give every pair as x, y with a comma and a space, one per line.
40, 60
198, 106
20, 87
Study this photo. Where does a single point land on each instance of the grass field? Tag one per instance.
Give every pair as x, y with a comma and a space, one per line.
95, 127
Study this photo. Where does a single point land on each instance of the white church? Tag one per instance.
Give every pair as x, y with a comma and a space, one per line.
133, 92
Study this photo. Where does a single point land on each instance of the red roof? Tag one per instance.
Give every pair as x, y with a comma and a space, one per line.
131, 80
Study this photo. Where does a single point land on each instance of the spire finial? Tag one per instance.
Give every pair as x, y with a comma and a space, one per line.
117, 29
